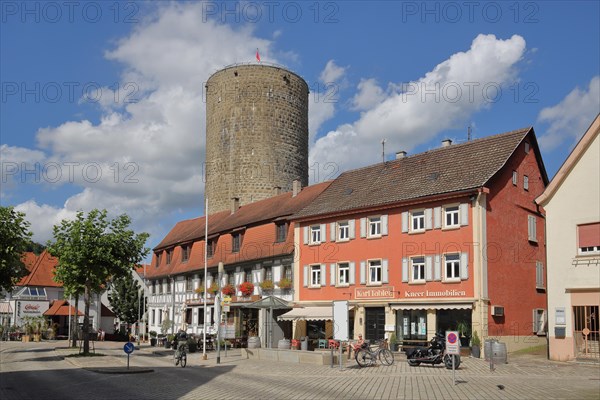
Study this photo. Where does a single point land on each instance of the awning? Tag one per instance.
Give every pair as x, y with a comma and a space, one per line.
5, 308
269, 302
420, 306
308, 314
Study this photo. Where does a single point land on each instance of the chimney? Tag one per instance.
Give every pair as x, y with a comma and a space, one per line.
235, 204
446, 142
400, 154
276, 190
296, 187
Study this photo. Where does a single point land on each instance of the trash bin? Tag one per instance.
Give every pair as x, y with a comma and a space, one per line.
304, 343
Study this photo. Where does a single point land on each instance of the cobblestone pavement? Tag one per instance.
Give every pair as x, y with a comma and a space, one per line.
29, 370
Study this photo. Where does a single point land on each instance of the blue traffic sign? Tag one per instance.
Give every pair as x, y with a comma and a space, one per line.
452, 338
128, 348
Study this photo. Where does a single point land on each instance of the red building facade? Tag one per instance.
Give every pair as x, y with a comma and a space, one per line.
446, 239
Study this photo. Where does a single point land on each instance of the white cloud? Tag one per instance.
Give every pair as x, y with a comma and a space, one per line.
570, 118
332, 72
145, 157
413, 113
43, 217
368, 96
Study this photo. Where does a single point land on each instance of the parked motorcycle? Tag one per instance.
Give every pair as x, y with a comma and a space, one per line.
433, 354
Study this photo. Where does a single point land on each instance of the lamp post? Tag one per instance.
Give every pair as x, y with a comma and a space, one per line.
219, 274
204, 356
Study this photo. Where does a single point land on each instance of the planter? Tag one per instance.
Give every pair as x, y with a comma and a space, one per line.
253, 342
476, 351
167, 344
153, 341
25, 338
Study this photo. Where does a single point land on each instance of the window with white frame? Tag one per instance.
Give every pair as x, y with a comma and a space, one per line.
417, 221
189, 283
374, 272
417, 269
343, 275
451, 216
268, 274
374, 226
525, 182
315, 275
343, 231
287, 272
452, 267
588, 239
315, 234
167, 286
515, 178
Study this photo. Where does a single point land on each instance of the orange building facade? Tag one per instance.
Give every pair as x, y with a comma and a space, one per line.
442, 240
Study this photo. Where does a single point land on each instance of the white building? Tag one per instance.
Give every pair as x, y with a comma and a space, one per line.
572, 203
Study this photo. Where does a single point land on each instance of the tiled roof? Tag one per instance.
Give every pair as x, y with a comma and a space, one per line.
454, 168
62, 307
276, 207
42, 272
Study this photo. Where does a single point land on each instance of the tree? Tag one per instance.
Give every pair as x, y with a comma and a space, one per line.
126, 298
91, 251
14, 239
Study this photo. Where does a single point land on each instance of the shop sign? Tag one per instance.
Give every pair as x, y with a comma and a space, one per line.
435, 293
382, 292
32, 308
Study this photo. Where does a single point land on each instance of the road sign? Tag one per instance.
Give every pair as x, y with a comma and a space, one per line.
128, 348
452, 342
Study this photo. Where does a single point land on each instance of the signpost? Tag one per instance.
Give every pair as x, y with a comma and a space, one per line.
128, 349
340, 326
452, 348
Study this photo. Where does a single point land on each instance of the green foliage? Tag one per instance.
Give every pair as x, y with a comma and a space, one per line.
393, 339
152, 334
35, 248
126, 298
192, 345
475, 341
91, 250
165, 326
14, 239
463, 328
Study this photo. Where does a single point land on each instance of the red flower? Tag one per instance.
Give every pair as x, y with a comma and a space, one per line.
247, 288
228, 290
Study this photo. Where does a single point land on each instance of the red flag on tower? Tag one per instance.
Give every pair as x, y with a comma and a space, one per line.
257, 56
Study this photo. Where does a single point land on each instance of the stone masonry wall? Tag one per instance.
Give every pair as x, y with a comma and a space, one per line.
256, 133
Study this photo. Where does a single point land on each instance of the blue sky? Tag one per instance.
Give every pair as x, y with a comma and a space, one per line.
101, 102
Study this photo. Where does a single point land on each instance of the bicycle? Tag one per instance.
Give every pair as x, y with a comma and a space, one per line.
366, 356
180, 356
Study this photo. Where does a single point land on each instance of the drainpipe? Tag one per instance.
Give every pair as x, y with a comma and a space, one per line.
173, 306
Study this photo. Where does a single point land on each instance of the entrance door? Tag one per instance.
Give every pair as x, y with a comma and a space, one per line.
374, 323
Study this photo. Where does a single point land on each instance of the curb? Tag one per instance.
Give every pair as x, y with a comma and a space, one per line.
118, 370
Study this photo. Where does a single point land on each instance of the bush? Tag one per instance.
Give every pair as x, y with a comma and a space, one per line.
152, 334
192, 345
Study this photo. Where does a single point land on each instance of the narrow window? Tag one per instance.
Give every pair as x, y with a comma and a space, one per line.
515, 178
315, 234
374, 226
375, 272
281, 232
417, 221
315, 275
418, 269
343, 274
525, 182
451, 217
452, 270
343, 231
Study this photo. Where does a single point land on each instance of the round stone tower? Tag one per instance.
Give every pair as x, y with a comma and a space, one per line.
256, 134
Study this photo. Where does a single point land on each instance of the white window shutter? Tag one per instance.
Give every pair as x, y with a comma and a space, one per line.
539, 274
363, 227
332, 231
323, 276
224, 279
464, 266
332, 274
261, 275
323, 233
384, 271
277, 273
352, 273
428, 218
384, 225
428, 268
405, 222
363, 273
535, 321
306, 235
437, 217
404, 269
437, 269
305, 276
531, 229
351, 229
464, 214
